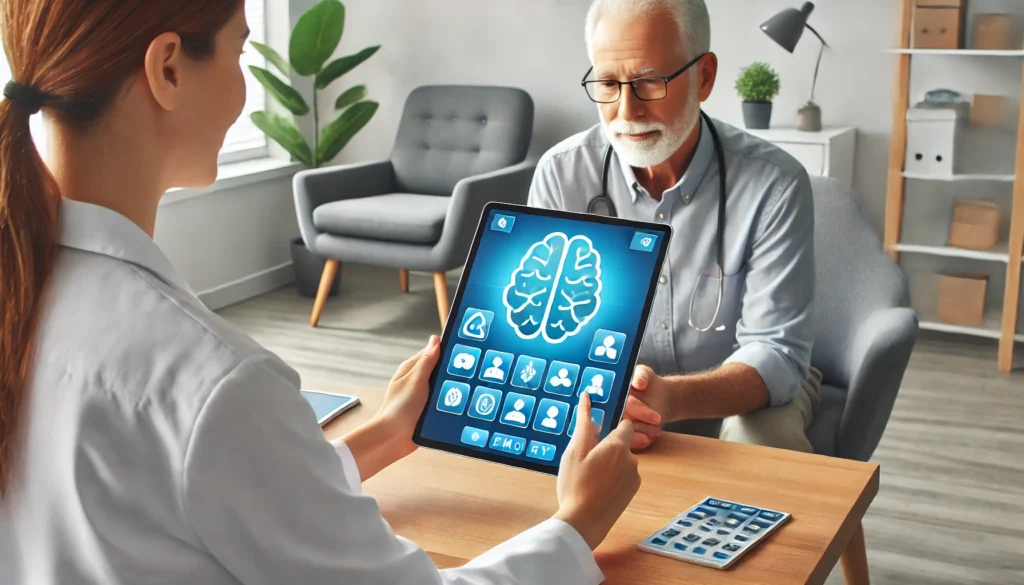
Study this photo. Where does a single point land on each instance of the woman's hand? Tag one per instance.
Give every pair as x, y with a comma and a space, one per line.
406, 396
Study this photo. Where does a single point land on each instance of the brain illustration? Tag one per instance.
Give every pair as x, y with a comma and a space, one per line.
556, 289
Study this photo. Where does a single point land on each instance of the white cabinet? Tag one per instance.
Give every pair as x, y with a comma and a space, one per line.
932, 142
828, 153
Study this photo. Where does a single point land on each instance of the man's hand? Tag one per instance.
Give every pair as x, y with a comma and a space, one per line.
648, 405
406, 396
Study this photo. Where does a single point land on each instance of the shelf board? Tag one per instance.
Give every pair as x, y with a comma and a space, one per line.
960, 178
982, 331
958, 52
999, 254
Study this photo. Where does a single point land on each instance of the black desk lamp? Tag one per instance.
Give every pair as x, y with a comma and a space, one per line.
786, 28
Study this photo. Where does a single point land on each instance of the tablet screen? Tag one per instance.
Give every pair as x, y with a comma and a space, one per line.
550, 305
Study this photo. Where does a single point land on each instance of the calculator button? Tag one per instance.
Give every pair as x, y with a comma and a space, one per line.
679, 546
684, 523
723, 531
691, 537
705, 529
699, 550
659, 542
732, 547
722, 556
712, 522
697, 515
748, 511
741, 538
711, 542
769, 516
670, 533
752, 528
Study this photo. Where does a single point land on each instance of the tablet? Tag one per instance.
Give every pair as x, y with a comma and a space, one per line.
327, 405
550, 304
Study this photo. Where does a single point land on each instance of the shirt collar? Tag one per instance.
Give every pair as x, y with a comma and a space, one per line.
690, 181
96, 229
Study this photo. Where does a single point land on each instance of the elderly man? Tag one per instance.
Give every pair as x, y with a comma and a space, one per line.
734, 345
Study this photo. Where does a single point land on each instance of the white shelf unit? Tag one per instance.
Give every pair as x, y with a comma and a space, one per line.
1000, 323
961, 178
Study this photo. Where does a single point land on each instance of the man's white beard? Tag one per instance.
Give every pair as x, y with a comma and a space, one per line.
656, 150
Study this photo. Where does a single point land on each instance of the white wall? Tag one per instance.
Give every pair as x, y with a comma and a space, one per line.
474, 41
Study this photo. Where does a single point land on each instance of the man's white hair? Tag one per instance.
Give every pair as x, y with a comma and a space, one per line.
691, 17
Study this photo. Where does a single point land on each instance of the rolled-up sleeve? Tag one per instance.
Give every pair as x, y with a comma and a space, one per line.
776, 331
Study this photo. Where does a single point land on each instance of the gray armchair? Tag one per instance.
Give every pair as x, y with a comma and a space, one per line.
865, 331
458, 147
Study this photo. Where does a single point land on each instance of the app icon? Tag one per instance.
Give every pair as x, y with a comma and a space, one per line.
485, 402
496, 366
453, 397
598, 383
561, 378
476, 324
643, 241
551, 416
528, 373
503, 223
607, 346
464, 360
508, 443
474, 437
542, 451
517, 410
596, 416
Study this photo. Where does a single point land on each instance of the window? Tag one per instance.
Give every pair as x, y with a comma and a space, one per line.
244, 140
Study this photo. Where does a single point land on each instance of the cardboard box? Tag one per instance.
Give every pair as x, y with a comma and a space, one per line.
975, 225
940, 4
990, 110
938, 28
962, 298
995, 32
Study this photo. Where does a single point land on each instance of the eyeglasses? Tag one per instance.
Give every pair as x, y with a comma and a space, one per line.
607, 91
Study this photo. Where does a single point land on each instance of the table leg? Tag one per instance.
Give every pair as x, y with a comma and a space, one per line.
855, 559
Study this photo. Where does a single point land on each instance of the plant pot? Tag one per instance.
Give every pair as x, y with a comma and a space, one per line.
757, 115
308, 268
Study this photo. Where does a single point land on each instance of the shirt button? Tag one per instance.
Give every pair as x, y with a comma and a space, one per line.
664, 325
686, 198
662, 280
661, 216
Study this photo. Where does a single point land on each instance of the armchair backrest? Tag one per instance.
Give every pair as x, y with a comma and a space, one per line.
854, 277
449, 132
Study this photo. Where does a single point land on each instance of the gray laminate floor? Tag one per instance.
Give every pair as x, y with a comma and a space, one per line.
950, 509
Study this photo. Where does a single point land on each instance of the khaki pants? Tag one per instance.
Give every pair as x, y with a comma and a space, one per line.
783, 427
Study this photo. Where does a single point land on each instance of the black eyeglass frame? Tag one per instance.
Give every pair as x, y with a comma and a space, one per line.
665, 78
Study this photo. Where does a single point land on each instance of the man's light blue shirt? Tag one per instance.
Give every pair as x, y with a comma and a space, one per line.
765, 318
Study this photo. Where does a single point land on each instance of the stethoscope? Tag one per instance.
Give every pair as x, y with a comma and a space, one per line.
602, 205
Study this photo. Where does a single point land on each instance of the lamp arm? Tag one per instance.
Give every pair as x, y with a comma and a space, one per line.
818, 64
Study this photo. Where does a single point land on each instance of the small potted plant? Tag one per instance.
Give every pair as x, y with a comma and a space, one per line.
758, 84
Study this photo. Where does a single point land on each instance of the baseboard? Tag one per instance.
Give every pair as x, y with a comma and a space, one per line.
247, 287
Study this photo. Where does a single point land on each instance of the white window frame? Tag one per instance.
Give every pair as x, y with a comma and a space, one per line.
258, 33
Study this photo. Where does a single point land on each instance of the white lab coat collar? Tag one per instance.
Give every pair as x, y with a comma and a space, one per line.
97, 229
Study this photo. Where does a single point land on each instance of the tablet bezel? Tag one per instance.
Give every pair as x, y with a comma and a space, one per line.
495, 457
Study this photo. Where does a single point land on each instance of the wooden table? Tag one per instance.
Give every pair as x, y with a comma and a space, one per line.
456, 508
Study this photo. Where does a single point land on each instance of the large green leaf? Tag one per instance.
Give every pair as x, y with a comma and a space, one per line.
350, 97
284, 93
286, 133
337, 134
316, 36
343, 65
273, 56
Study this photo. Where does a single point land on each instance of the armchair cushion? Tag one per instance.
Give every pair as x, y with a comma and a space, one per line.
395, 217
824, 431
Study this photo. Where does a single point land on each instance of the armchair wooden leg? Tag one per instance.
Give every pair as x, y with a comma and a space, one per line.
855, 559
441, 292
326, 280
403, 279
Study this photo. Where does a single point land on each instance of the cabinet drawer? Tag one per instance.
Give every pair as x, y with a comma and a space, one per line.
812, 156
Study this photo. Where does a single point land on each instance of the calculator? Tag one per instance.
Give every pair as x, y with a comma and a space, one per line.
714, 533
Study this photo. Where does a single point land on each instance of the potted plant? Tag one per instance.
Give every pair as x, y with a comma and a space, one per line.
758, 84
313, 41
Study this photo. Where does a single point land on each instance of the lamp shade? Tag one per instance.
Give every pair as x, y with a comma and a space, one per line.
786, 27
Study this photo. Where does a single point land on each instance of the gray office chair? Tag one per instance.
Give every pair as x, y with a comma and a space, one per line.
458, 147
865, 331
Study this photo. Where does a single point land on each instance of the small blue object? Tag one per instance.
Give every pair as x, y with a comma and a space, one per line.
659, 542
770, 516
699, 550
508, 444
503, 223
705, 529
670, 533
691, 537
684, 523
474, 437
476, 324
741, 538
542, 451
723, 531
697, 515
712, 522
679, 546
643, 242
723, 556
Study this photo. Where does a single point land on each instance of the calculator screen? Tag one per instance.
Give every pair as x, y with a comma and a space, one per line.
549, 307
